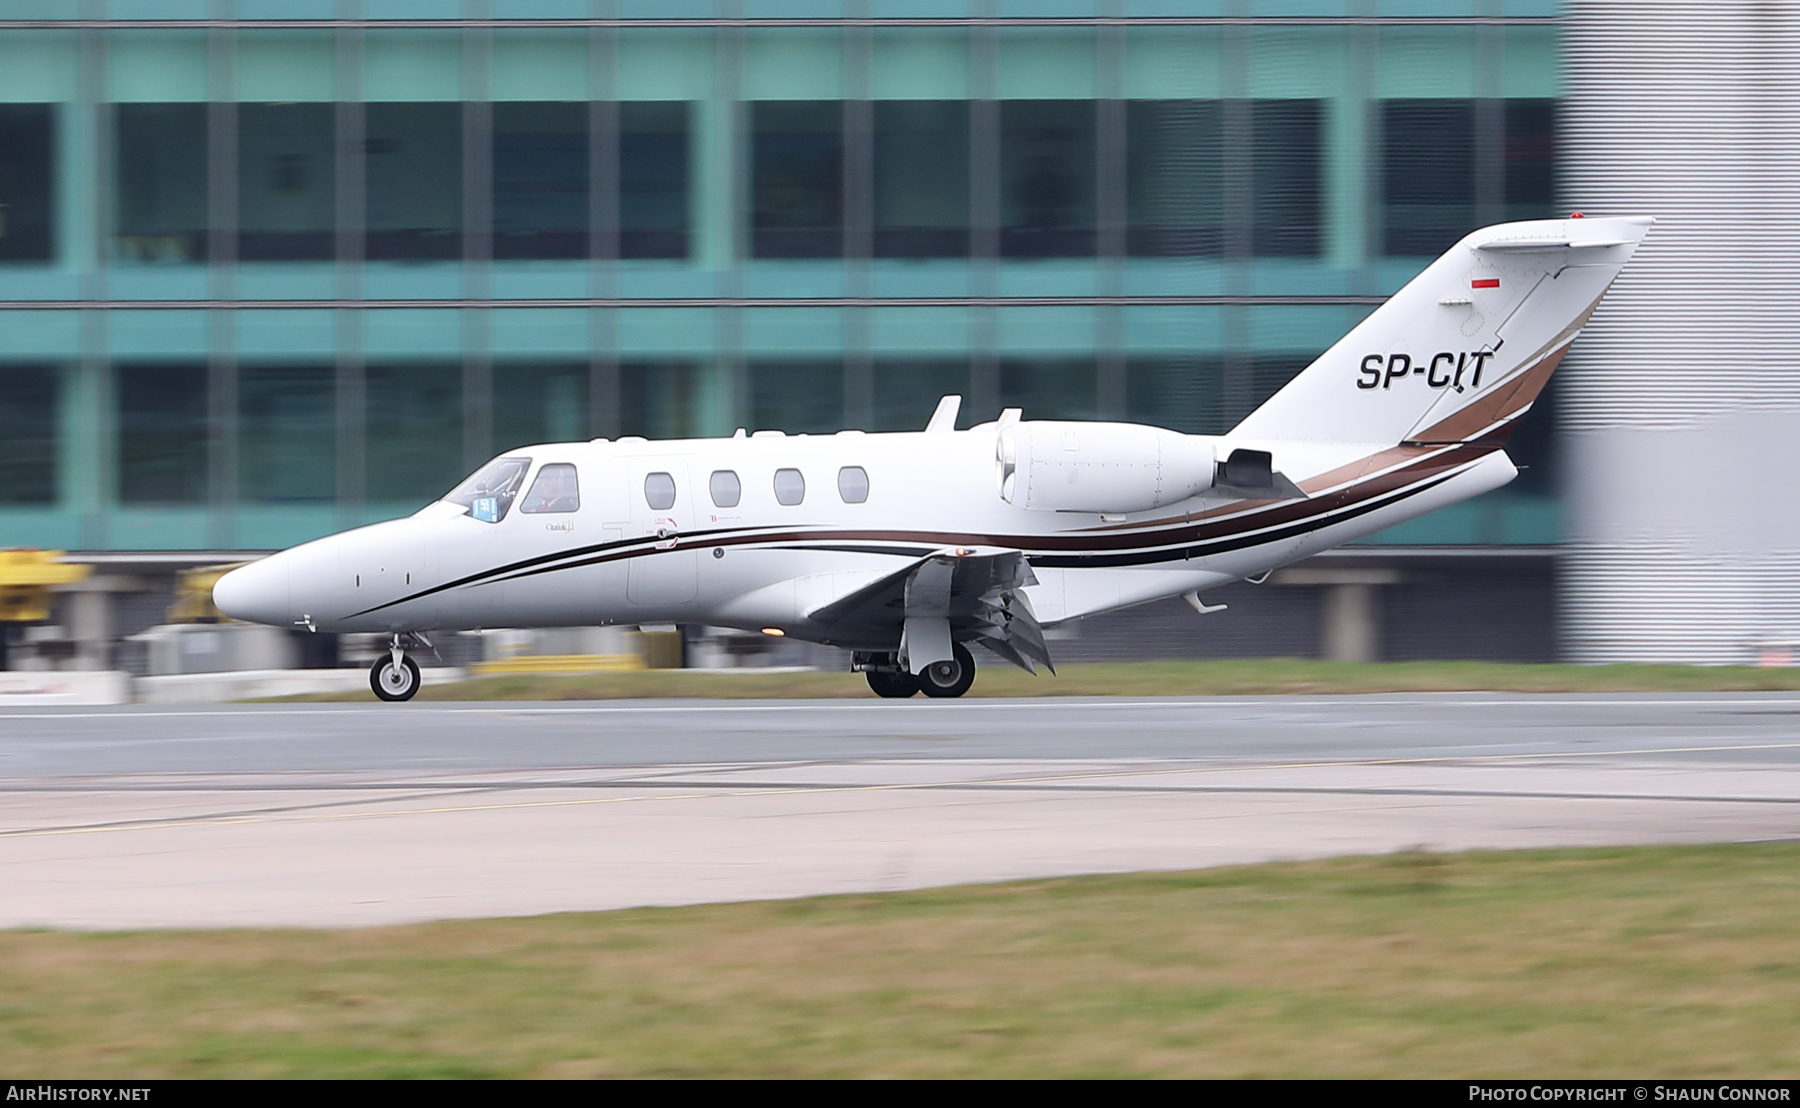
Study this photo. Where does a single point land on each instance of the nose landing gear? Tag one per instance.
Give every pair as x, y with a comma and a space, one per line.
394, 677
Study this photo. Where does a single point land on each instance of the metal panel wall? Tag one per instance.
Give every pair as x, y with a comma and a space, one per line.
1682, 406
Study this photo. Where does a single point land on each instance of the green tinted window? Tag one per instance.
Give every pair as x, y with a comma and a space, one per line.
287, 434
414, 437
28, 401
163, 433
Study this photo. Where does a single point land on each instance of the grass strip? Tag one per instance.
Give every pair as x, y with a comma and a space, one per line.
1629, 962
1258, 676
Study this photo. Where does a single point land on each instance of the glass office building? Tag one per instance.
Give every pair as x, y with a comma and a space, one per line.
271, 268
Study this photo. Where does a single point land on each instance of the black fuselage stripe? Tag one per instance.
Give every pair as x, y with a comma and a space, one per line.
1226, 545
1169, 544
500, 572
1149, 556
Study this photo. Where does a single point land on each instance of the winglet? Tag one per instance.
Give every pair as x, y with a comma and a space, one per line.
943, 421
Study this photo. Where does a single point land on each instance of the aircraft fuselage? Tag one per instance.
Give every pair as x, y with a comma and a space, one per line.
626, 555
905, 547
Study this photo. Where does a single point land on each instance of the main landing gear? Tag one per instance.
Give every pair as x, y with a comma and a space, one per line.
940, 680
394, 676
892, 684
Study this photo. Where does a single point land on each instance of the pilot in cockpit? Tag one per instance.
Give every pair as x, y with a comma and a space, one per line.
554, 490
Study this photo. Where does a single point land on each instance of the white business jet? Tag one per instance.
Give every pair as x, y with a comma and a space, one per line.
908, 548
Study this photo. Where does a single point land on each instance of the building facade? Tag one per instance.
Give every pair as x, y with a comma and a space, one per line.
272, 268
1683, 408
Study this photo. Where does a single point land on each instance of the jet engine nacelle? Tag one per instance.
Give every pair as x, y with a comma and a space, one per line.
1099, 467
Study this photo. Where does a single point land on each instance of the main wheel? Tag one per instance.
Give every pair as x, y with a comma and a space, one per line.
946, 680
892, 683
392, 682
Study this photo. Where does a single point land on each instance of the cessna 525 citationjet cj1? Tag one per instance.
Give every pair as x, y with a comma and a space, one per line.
906, 548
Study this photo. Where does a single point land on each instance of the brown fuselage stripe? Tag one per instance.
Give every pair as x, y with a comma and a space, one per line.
1504, 402
1426, 459
1278, 513
1242, 523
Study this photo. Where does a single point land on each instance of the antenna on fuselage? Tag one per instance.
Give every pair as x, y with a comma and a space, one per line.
943, 421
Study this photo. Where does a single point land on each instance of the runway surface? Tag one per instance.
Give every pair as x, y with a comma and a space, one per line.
332, 815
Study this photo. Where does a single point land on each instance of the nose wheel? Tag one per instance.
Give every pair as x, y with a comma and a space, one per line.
394, 677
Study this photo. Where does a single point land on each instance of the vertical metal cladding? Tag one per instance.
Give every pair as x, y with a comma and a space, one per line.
1682, 399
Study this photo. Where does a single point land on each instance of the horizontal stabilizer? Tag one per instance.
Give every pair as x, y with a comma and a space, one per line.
1552, 244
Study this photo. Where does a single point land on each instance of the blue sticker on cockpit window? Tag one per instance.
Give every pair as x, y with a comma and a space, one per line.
486, 509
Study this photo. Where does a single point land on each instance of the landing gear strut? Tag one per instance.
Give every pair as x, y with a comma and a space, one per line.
394, 676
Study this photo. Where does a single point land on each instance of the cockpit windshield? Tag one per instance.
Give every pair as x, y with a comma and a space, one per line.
490, 492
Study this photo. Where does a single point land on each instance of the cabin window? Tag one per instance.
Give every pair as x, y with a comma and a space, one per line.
725, 488
490, 492
853, 484
555, 490
790, 487
659, 491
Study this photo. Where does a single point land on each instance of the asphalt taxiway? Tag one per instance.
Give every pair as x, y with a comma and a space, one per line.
330, 815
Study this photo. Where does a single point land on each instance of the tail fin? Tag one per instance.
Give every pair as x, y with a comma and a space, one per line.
1465, 347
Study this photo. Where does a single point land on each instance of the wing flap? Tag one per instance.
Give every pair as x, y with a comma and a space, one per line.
979, 591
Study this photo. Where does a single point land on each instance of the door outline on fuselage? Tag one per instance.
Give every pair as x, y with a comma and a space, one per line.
666, 574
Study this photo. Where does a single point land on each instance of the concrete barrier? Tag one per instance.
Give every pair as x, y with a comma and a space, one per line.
560, 663
64, 686
252, 684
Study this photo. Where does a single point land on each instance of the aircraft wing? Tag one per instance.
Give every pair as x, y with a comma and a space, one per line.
980, 591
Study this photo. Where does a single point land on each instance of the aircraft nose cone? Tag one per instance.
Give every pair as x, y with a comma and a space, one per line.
257, 593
